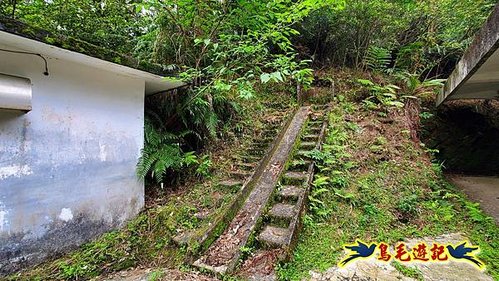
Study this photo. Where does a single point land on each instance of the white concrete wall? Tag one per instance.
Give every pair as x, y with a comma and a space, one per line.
67, 168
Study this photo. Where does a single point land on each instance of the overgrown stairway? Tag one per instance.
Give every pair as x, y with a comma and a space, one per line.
290, 197
239, 176
245, 164
278, 207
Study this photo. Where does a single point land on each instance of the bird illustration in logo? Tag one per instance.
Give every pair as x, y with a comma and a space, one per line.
461, 252
361, 250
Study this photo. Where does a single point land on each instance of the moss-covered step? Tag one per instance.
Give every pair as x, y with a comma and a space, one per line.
310, 137
283, 211
240, 174
290, 192
273, 236
308, 145
246, 166
279, 233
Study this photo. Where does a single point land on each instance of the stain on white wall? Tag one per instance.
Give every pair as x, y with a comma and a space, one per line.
15, 170
67, 167
4, 222
66, 214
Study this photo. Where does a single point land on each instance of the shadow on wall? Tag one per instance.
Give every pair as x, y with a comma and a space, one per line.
7, 115
466, 133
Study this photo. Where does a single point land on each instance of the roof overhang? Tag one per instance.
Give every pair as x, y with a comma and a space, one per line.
153, 83
476, 76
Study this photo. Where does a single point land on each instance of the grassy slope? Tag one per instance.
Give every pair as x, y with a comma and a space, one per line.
377, 184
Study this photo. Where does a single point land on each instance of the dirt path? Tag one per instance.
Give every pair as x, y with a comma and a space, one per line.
484, 190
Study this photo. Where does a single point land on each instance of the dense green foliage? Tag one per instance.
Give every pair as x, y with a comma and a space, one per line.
112, 24
227, 49
424, 37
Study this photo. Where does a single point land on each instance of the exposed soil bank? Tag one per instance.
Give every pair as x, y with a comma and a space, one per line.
466, 133
480, 189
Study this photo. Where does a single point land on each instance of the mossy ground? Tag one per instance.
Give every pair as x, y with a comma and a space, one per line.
377, 184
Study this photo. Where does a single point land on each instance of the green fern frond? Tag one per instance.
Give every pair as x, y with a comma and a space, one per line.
377, 59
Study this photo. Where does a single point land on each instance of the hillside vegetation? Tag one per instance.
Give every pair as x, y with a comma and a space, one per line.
228, 50
246, 63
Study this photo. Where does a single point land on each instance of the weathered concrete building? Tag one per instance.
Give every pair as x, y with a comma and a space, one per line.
69, 143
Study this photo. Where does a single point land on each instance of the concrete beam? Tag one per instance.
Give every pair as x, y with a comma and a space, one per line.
476, 74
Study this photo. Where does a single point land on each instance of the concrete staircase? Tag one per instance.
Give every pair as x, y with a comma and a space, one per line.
274, 192
283, 216
246, 163
239, 179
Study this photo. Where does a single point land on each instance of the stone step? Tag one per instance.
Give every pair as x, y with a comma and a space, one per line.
282, 211
240, 174
256, 151
281, 231
314, 130
260, 145
287, 214
303, 153
274, 236
267, 140
269, 134
308, 144
316, 116
290, 192
246, 166
316, 122
310, 137
251, 158
295, 176
231, 183
224, 253
299, 165
315, 125
272, 130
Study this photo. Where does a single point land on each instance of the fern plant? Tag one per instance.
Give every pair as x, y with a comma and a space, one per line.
415, 87
385, 96
162, 153
377, 59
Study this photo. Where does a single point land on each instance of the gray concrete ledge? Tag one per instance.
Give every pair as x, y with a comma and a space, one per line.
484, 45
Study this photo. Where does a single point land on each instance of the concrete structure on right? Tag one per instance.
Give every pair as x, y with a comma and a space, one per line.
476, 76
